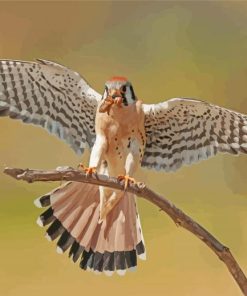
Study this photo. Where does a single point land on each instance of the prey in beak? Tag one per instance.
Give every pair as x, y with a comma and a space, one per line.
118, 92
114, 97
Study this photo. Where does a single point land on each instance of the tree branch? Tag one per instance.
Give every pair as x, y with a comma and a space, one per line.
179, 217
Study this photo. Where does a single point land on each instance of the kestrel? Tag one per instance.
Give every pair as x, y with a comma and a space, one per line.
101, 225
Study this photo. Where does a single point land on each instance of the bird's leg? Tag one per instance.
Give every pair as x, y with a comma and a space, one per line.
130, 167
97, 153
108, 200
108, 197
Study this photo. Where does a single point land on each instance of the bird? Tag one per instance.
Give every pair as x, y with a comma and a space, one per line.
100, 227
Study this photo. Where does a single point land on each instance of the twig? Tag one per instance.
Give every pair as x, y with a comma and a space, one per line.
179, 217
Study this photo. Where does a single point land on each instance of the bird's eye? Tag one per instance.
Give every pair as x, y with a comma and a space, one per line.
123, 88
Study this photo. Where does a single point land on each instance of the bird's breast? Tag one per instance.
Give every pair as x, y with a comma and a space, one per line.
124, 131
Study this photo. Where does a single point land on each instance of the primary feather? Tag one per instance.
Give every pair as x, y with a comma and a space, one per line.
50, 95
184, 131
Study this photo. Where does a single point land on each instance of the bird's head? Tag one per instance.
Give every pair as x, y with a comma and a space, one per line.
118, 91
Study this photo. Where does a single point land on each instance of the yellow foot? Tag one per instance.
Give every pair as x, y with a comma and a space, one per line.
89, 170
127, 180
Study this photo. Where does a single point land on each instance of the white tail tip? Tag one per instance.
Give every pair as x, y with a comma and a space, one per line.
121, 272
37, 203
132, 269
48, 237
39, 222
142, 256
97, 272
59, 250
108, 272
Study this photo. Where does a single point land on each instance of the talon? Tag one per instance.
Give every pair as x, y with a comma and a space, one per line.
127, 180
89, 170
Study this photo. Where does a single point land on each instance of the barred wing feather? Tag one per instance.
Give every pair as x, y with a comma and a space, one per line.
50, 95
185, 131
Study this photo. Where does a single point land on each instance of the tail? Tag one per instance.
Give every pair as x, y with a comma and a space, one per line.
73, 215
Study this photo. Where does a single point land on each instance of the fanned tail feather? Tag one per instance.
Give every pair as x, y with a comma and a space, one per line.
73, 216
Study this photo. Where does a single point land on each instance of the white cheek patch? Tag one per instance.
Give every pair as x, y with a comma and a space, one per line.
128, 96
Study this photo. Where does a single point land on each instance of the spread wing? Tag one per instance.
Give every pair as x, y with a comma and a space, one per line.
52, 96
185, 131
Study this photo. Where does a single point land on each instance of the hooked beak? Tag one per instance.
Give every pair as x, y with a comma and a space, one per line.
114, 98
